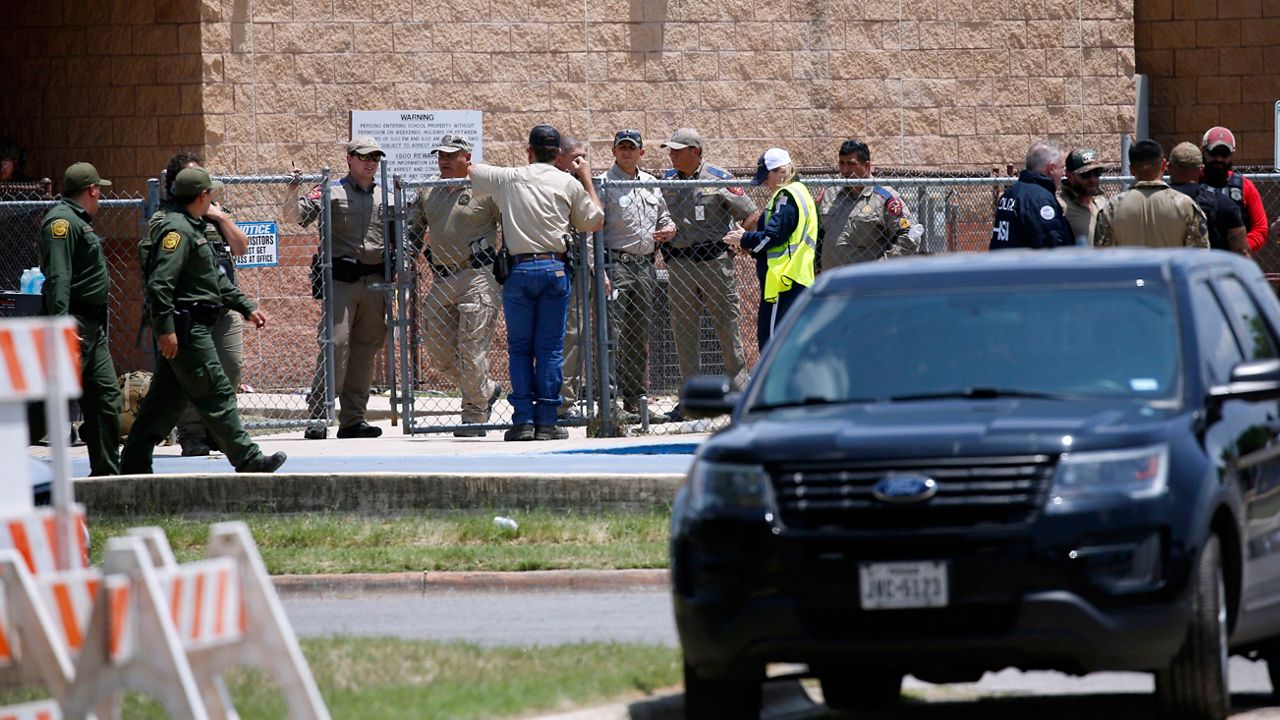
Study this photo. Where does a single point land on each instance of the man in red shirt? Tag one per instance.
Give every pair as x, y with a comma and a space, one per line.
1218, 145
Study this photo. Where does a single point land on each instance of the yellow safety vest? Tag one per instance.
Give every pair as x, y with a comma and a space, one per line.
792, 264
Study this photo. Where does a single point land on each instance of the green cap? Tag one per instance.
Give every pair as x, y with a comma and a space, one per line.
80, 176
1186, 155
452, 144
192, 181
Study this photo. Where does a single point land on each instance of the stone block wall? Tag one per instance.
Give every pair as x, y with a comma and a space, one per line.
954, 84
1212, 62
113, 82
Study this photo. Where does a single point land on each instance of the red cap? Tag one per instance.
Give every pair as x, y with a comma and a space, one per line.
1218, 136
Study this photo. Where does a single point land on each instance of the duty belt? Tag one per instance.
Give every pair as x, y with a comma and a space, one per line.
701, 251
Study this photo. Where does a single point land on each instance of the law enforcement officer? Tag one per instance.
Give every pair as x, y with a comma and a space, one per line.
1081, 193
700, 267
572, 152
460, 231
538, 204
1028, 214
1219, 145
1150, 213
862, 222
76, 283
226, 240
359, 320
186, 290
1226, 227
635, 220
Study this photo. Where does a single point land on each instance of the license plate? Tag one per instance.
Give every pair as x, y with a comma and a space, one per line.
891, 586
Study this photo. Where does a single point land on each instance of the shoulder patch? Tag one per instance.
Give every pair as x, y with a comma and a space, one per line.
904, 223
1047, 212
670, 173
719, 172
893, 206
170, 241
882, 192
59, 228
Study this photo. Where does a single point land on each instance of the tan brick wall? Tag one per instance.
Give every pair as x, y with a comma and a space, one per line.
946, 83
113, 82
1212, 63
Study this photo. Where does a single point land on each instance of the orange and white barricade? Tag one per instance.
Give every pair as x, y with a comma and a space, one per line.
42, 710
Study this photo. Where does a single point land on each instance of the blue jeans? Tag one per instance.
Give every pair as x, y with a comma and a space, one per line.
535, 300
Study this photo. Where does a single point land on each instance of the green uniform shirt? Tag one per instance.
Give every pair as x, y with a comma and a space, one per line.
186, 271
74, 266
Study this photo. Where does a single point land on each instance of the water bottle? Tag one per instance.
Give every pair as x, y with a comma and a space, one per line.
37, 281
506, 523
24, 283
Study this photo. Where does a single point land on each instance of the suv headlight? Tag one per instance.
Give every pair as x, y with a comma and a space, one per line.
1135, 473
730, 487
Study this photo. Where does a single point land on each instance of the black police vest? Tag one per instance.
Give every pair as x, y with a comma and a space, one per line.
1234, 189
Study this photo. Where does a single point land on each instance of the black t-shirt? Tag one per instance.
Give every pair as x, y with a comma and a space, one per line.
1222, 212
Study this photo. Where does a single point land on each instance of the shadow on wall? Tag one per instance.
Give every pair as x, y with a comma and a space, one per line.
648, 18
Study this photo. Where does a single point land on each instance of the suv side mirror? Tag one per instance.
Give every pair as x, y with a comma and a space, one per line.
1253, 380
707, 397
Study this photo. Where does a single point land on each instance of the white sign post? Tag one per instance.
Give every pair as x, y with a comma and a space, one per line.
407, 136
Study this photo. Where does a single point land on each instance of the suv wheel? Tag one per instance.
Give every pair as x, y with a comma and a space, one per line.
729, 699
860, 690
1194, 686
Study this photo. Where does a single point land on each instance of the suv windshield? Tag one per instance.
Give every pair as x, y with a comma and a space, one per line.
1053, 342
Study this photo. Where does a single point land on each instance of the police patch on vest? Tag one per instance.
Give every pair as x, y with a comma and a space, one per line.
58, 228
464, 199
893, 207
170, 241
1046, 212
904, 223
1235, 194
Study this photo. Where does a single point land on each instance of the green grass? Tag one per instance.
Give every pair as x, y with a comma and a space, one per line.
387, 679
340, 543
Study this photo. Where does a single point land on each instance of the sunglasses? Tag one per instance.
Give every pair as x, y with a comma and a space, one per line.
1091, 174
370, 157
1220, 152
632, 135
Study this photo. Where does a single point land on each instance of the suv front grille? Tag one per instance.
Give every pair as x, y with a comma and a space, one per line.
971, 491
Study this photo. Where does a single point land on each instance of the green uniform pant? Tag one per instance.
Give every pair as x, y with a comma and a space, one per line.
573, 367
359, 331
458, 327
228, 340
713, 284
194, 375
631, 315
99, 402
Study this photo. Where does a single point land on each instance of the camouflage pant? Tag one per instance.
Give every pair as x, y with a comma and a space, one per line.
457, 323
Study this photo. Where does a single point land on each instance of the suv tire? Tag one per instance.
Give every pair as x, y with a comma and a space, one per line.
1194, 686
705, 699
861, 690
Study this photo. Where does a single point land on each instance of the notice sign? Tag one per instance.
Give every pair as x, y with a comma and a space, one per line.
264, 245
408, 136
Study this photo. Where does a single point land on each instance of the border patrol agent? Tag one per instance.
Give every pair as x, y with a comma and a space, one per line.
360, 313
700, 267
860, 223
77, 283
461, 231
785, 249
186, 290
1150, 214
1028, 214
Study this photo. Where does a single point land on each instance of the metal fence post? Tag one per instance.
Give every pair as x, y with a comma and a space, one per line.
388, 289
404, 319
607, 426
326, 266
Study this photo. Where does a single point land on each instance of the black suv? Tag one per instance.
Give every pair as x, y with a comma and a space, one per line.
942, 466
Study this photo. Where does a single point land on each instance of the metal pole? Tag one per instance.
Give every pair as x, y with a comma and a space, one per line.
388, 290
326, 265
607, 427
405, 319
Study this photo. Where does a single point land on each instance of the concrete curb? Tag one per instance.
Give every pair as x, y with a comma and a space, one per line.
372, 492
421, 583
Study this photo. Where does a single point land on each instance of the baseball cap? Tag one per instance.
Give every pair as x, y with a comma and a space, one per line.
1218, 136
192, 181
1083, 160
1186, 155
631, 136
80, 176
452, 144
544, 136
364, 145
772, 159
683, 138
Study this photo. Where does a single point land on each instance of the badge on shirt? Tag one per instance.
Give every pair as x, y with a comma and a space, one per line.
1235, 194
464, 199
699, 213
59, 228
170, 241
624, 201
1046, 212
893, 207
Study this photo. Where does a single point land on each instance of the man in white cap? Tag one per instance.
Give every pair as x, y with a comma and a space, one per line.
359, 310
1219, 144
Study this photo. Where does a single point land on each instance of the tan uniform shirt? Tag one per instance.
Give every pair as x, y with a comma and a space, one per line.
357, 219
1151, 214
632, 214
864, 226
1082, 219
537, 203
460, 223
703, 215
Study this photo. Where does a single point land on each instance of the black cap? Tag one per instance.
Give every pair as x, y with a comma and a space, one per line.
544, 136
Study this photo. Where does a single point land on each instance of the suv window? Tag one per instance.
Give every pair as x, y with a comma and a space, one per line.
1217, 343
1256, 337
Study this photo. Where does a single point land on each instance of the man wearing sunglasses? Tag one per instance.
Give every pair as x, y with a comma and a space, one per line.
1081, 193
359, 320
1219, 144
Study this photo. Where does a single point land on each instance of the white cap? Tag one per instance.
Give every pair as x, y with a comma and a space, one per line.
772, 159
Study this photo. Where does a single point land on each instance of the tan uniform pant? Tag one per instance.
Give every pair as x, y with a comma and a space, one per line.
573, 366
458, 317
359, 331
228, 340
693, 285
